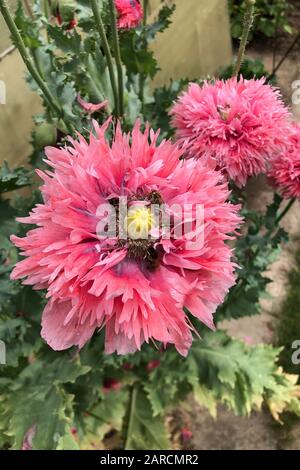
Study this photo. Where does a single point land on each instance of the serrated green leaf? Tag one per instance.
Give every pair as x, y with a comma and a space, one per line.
36, 398
162, 23
66, 41
205, 397
13, 179
21, 339
144, 430
67, 442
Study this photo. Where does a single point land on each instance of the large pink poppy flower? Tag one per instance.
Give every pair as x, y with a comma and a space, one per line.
134, 287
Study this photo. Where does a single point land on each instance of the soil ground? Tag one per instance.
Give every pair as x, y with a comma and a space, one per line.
258, 431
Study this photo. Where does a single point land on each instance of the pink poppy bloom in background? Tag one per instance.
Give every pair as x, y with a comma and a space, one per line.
111, 385
130, 13
91, 108
248, 340
234, 125
152, 365
127, 366
186, 435
284, 172
134, 289
72, 24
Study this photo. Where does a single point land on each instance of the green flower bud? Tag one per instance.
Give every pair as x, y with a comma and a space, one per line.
45, 134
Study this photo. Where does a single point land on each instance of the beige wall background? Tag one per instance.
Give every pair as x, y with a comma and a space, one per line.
197, 44
4, 36
198, 41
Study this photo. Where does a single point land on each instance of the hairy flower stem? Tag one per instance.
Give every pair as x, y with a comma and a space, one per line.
117, 53
142, 76
18, 41
46, 8
145, 10
105, 45
277, 221
132, 404
285, 211
285, 56
248, 21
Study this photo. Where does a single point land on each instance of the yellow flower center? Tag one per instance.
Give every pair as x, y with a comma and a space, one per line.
139, 222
